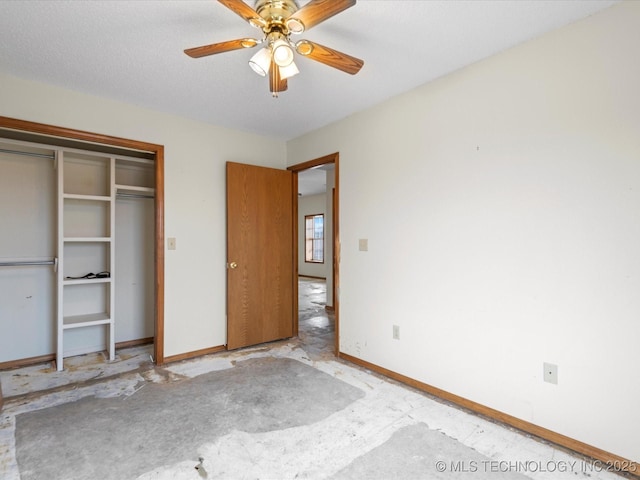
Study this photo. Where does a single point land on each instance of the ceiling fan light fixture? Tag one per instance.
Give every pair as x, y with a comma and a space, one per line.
261, 62
282, 53
289, 71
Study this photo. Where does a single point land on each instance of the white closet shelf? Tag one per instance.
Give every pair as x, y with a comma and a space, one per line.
87, 239
85, 281
134, 189
128, 161
75, 196
79, 321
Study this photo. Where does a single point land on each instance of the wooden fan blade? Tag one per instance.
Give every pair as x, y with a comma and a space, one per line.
245, 11
329, 56
212, 49
276, 84
317, 11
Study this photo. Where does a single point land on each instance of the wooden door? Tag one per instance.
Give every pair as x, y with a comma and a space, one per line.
259, 255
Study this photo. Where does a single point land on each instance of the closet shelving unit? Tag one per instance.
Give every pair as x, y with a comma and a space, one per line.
86, 224
88, 184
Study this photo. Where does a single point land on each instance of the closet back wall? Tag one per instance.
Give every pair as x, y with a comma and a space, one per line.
134, 269
28, 231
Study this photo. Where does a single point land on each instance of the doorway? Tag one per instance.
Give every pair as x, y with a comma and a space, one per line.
319, 176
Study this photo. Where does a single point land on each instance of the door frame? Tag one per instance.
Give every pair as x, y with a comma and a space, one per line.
295, 169
63, 133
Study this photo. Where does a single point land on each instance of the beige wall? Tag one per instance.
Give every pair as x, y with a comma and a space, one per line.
310, 205
195, 156
501, 204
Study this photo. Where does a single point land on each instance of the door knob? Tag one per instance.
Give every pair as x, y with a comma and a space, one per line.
233, 265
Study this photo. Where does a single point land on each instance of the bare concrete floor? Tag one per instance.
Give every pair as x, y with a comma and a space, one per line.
278, 411
316, 327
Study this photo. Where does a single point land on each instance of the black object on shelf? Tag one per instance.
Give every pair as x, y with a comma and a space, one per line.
90, 276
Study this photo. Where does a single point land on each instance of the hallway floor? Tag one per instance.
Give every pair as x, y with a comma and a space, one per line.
284, 410
316, 327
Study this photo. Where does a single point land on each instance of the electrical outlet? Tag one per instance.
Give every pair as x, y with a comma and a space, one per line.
396, 332
171, 243
550, 374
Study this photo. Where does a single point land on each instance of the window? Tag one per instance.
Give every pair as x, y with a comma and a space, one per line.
314, 238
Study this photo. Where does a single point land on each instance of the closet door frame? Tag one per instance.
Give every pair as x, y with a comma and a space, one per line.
158, 153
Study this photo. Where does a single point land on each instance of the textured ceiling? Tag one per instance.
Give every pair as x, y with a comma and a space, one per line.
133, 51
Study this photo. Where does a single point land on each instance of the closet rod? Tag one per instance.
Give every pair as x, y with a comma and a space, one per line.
133, 195
21, 263
28, 154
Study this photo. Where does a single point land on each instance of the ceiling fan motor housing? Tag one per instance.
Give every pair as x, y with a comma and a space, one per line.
275, 12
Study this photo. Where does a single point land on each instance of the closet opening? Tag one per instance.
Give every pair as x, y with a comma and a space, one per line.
83, 265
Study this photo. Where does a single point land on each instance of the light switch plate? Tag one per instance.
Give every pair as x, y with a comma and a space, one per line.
363, 244
171, 243
550, 373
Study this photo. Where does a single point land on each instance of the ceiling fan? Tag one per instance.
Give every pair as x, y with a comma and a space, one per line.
279, 20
